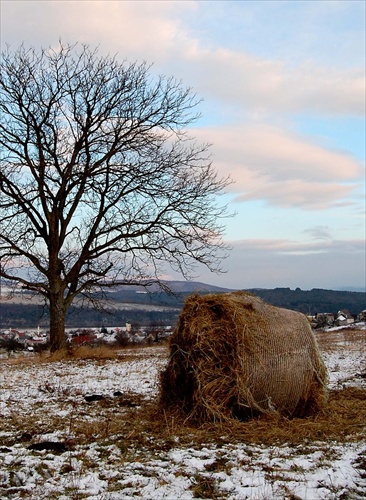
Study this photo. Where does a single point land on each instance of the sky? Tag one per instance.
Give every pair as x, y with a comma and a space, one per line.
283, 105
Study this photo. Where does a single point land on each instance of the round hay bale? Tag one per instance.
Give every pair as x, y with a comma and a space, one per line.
234, 356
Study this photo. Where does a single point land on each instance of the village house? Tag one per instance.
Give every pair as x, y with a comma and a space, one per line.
324, 320
361, 316
344, 317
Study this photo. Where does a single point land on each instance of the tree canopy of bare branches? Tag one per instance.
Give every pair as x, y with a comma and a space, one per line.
100, 183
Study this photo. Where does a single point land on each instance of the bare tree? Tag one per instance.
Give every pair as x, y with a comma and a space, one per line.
100, 183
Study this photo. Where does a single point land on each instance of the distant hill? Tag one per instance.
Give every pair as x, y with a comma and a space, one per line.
352, 289
136, 304
176, 287
306, 301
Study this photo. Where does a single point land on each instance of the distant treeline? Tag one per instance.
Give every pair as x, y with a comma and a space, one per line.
306, 301
310, 302
20, 316
314, 301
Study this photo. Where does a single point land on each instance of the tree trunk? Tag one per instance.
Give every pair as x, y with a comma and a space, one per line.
57, 322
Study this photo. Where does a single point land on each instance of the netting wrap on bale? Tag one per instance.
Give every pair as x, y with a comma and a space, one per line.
234, 356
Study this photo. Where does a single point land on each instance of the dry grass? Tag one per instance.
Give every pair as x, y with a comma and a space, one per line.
333, 340
343, 419
102, 352
127, 429
134, 423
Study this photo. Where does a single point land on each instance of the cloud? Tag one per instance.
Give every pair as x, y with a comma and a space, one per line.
285, 263
299, 194
318, 232
271, 86
282, 168
289, 247
143, 30
155, 31
267, 163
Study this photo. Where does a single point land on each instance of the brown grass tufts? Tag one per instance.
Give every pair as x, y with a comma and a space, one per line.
135, 424
102, 352
342, 420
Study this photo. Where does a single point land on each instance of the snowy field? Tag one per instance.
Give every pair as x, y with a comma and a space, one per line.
71, 430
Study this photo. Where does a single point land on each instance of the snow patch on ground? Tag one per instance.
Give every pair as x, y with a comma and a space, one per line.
99, 471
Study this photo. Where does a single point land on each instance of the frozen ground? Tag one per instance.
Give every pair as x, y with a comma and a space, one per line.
47, 403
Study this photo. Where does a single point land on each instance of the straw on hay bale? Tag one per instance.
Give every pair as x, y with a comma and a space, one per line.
234, 356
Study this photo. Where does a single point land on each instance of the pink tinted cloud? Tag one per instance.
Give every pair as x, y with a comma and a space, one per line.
282, 168
134, 30
286, 246
155, 31
300, 194
272, 86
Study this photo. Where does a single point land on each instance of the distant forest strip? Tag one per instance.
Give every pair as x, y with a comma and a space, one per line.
314, 301
20, 316
14, 315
